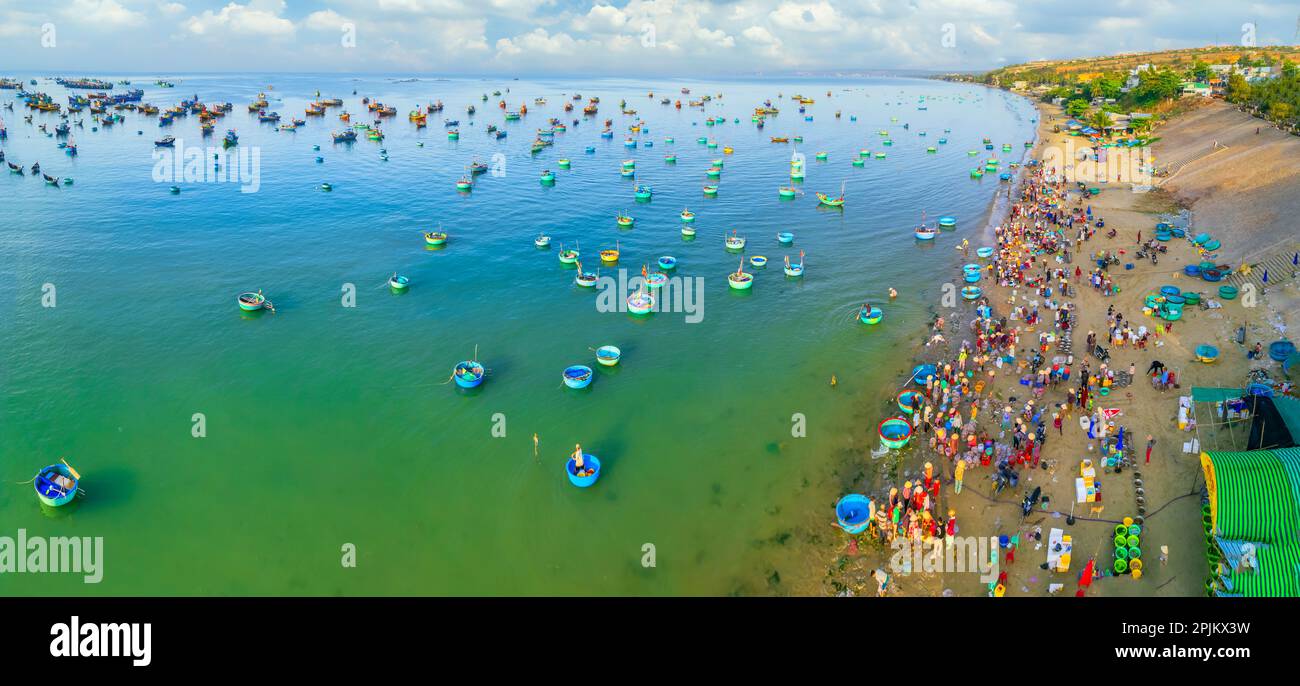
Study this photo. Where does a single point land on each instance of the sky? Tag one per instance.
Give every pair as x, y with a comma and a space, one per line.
608, 37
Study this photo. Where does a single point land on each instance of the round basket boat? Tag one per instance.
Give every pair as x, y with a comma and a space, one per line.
584, 480
1202, 238
922, 371
1211, 275
688, 231
577, 376
905, 400
1228, 292
608, 355
1212, 246
1192, 270
568, 256
1192, 297
785, 238
1279, 351
251, 302
924, 234
56, 485
1164, 236
853, 513
1207, 353
585, 279
1170, 290
435, 238
399, 283
972, 277
1175, 300
688, 216
542, 241
740, 281
971, 292
668, 263
871, 317
894, 433
947, 222
468, 374
640, 303
655, 280
758, 261
984, 252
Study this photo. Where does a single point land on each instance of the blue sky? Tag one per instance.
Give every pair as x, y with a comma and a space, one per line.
618, 37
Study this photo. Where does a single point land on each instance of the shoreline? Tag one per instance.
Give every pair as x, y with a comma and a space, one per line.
854, 561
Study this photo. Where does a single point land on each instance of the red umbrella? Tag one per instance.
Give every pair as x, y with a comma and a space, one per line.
1085, 579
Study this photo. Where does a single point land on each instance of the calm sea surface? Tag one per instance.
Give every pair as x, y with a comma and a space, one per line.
329, 425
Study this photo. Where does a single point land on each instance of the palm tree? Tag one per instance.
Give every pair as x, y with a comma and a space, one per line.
1100, 120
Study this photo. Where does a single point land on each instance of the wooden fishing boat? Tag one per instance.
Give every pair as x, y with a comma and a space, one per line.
585, 279
787, 191
577, 376
687, 216
468, 374
795, 270
870, 315
610, 256
608, 355
688, 231
644, 192
710, 190
165, 142
624, 220
398, 283
465, 183
542, 241
564, 163
453, 135
252, 302
568, 256
796, 173
435, 238
740, 280
713, 172
667, 263
627, 173
734, 242
56, 485
51, 180
588, 476
780, 139
828, 201
548, 177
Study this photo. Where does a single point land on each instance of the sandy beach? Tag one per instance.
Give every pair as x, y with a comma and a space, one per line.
1238, 194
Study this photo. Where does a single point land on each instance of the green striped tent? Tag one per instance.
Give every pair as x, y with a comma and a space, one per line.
1255, 500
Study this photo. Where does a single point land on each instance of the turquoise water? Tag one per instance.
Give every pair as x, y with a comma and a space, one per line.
328, 425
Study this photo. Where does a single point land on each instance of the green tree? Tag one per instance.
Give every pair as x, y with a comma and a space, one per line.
1238, 89
1076, 107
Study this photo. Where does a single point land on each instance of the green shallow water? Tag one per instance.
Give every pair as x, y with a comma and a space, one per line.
329, 425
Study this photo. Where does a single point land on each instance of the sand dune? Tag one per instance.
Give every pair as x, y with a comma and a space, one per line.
1243, 193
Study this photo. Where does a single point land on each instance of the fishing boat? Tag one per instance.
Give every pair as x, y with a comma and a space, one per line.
644, 192
853, 513
780, 139
758, 261
567, 256
252, 302
589, 474
654, 281
231, 139
925, 233
984, 252
477, 167
585, 279
453, 135
564, 163
687, 216
828, 201
710, 190
56, 485
608, 355
327, 186
51, 180
787, 191
627, 173
577, 376
795, 270
971, 292
624, 220
796, 174
542, 241
734, 242
870, 314
713, 172
435, 238
670, 159
740, 280
465, 184
641, 302
344, 136
165, 142
947, 222
895, 432
667, 263
610, 256
688, 231
785, 238
468, 374
398, 283
548, 177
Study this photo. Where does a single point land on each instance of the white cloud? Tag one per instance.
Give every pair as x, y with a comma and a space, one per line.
260, 19
103, 13
325, 20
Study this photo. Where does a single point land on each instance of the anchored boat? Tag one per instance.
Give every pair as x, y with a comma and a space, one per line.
577, 376
795, 270
468, 374
56, 485
740, 280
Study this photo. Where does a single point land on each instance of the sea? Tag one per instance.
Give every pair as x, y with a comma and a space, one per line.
322, 450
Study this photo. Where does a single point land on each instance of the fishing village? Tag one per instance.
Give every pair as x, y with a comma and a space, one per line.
1061, 367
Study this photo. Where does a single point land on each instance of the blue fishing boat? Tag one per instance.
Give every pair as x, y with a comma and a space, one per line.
577, 376
644, 192
398, 283
668, 263
984, 252
947, 222
971, 292
785, 238
853, 513
608, 355
894, 433
468, 374
905, 400
590, 473
56, 485
921, 371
